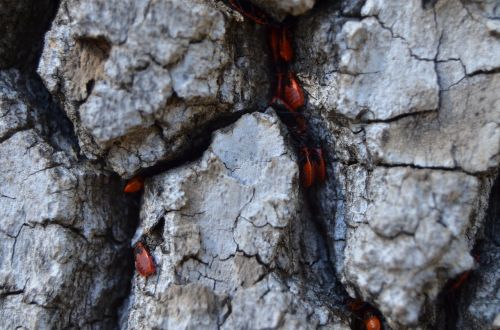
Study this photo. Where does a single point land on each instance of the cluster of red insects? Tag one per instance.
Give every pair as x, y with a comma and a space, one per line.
289, 99
144, 262
288, 103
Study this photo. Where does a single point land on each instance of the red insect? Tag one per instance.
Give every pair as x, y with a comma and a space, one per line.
307, 170
134, 185
281, 44
319, 165
250, 11
144, 262
372, 322
293, 93
365, 316
288, 89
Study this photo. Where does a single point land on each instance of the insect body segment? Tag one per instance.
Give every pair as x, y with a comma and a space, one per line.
307, 169
144, 262
289, 91
293, 93
281, 44
286, 49
319, 165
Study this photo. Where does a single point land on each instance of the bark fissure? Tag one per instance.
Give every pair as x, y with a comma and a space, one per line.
177, 92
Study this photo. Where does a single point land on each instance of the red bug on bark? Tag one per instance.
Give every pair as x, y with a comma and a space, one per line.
307, 170
134, 185
293, 93
286, 49
366, 317
144, 262
372, 322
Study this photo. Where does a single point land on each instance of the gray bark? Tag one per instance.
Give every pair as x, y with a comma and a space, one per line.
401, 95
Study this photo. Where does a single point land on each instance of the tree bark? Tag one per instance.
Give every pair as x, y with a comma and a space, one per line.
402, 97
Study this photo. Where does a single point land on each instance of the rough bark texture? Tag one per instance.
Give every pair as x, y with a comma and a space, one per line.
402, 96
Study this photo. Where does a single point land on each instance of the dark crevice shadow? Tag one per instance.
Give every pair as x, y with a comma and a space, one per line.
22, 32
458, 293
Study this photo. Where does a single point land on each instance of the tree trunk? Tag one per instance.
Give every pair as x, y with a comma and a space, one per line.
401, 97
